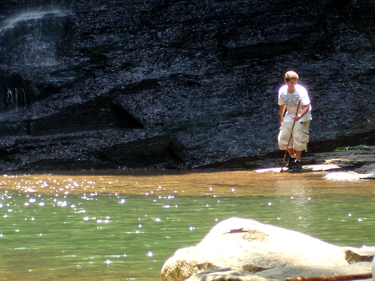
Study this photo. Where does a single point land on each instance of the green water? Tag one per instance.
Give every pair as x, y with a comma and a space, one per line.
125, 226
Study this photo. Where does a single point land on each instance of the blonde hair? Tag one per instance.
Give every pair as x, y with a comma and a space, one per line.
290, 75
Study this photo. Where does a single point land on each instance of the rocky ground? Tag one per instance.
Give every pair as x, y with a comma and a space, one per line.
360, 159
352, 162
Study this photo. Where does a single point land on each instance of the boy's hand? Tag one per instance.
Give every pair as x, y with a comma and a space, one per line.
296, 118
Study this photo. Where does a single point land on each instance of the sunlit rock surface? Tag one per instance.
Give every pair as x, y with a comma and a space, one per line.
177, 84
245, 244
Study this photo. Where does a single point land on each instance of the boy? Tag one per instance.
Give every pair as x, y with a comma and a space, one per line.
289, 94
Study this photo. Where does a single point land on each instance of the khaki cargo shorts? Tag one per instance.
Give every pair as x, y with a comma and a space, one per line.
300, 137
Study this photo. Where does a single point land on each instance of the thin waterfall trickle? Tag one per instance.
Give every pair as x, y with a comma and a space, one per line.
30, 38
16, 98
11, 22
29, 43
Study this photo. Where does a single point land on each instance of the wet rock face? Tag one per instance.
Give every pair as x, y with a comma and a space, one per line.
177, 84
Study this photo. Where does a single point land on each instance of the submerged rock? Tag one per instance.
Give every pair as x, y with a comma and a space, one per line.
245, 244
353, 255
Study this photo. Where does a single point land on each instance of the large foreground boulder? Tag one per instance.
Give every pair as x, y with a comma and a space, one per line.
245, 244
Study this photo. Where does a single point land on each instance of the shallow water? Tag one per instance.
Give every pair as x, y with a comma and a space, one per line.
124, 225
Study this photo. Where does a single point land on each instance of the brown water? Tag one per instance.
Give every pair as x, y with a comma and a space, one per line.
123, 225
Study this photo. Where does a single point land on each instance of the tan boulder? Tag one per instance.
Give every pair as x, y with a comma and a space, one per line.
246, 244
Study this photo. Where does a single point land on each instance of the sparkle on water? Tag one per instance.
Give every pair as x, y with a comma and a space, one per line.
124, 225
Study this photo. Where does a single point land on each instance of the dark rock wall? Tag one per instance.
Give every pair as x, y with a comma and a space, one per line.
177, 84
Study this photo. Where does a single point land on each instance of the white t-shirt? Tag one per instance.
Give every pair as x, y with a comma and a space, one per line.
291, 100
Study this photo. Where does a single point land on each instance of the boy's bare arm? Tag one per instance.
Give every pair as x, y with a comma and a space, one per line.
281, 113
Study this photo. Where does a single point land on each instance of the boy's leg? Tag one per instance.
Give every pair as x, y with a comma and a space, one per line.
292, 158
283, 138
301, 139
298, 155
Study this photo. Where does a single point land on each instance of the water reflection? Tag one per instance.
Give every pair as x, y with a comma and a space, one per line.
296, 194
124, 226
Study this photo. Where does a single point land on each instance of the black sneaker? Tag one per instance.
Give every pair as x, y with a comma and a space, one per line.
291, 163
297, 167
